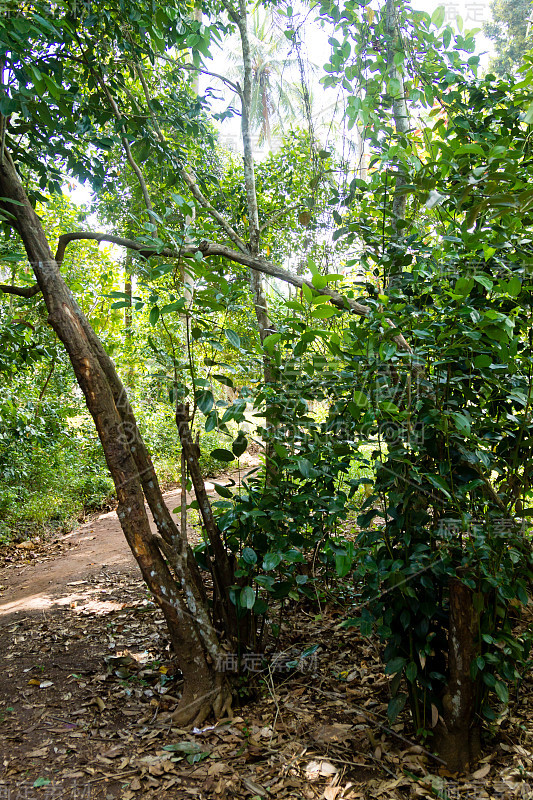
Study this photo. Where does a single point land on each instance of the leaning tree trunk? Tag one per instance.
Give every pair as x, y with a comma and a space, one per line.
164, 559
457, 736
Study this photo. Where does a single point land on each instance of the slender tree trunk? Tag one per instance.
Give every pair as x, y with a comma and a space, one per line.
128, 318
399, 111
191, 632
457, 736
240, 17
401, 123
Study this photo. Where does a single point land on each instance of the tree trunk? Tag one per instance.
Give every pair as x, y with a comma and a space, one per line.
457, 736
191, 632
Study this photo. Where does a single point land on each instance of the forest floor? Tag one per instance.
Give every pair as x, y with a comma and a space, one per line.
87, 688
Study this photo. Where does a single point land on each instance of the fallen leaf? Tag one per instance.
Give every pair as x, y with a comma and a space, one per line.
337, 732
320, 769
97, 701
481, 773
42, 751
331, 792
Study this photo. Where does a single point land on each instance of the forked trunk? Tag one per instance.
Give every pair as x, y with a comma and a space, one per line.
164, 560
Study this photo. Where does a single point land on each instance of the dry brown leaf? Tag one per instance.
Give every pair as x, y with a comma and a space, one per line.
337, 732
255, 788
40, 753
482, 772
320, 769
114, 752
97, 701
331, 792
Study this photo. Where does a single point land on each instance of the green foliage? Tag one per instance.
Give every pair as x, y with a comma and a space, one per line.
511, 32
451, 416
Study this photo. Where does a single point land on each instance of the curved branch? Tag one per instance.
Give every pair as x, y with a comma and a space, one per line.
233, 86
20, 291
224, 224
256, 263
99, 78
130, 244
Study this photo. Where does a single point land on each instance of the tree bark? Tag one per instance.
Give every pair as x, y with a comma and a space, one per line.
240, 17
191, 632
457, 736
400, 112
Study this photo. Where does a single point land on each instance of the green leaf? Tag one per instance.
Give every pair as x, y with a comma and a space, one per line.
396, 664
313, 269
360, 399
438, 16
239, 445
343, 564
440, 483
260, 606
324, 312
177, 305
271, 561
233, 338
462, 423
249, 556
396, 705
514, 286
247, 598
154, 315
528, 118
307, 292
464, 286
223, 491
205, 401
270, 340
484, 281
220, 454
482, 361
354, 410
305, 467
501, 690
211, 422
319, 281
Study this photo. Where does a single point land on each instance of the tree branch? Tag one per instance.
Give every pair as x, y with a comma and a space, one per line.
131, 244
224, 224
189, 180
234, 86
256, 263
20, 291
274, 217
120, 119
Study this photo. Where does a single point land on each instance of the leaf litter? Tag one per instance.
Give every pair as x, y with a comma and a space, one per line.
87, 693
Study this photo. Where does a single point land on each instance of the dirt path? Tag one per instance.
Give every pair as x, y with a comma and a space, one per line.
95, 547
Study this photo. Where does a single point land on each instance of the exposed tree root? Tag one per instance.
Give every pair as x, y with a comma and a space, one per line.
198, 703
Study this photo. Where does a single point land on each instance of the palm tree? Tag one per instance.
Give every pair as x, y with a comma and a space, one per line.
277, 94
